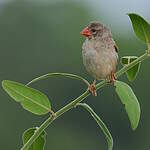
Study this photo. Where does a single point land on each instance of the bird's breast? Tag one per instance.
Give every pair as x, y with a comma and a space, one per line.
99, 61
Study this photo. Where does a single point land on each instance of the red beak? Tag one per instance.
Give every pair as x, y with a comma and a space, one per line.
86, 32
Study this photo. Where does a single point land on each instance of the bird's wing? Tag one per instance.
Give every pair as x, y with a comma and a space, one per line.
116, 47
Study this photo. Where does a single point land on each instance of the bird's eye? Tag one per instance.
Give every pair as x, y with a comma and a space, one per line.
93, 30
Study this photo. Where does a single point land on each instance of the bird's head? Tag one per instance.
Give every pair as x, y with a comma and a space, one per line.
93, 29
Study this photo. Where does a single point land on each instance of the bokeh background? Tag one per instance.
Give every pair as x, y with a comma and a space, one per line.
41, 36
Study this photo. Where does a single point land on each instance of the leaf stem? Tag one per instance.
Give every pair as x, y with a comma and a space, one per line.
100, 123
79, 99
68, 75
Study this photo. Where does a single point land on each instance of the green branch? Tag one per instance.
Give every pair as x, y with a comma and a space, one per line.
79, 99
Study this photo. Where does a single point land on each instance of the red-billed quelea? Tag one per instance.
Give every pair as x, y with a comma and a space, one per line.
99, 53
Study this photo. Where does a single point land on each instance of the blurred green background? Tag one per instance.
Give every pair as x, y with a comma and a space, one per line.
41, 36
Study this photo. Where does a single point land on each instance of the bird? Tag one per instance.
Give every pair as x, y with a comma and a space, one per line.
99, 52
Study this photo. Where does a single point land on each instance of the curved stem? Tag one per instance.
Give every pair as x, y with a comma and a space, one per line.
100, 123
79, 99
68, 75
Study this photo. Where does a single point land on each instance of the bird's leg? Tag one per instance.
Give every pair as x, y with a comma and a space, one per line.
112, 78
92, 88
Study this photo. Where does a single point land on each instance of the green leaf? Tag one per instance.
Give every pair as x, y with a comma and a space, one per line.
39, 143
30, 99
131, 73
100, 124
130, 101
67, 75
141, 27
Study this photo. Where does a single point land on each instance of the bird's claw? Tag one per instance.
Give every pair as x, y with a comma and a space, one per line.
112, 78
92, 88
